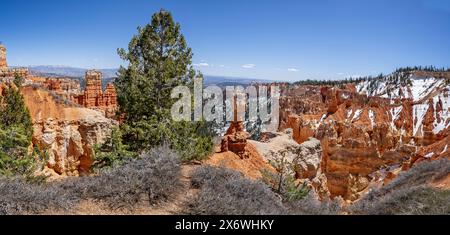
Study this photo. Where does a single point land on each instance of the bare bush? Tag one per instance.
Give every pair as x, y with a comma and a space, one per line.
419, 174
154, 177
408, 193
59, 99
35, 86
19, 197
406, 201
310, 205
226, 192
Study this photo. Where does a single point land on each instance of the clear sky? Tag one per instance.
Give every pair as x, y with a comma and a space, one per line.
282, 40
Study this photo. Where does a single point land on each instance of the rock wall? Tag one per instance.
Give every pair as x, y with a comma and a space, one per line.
66, 134
69, 144
305, 159
368, 127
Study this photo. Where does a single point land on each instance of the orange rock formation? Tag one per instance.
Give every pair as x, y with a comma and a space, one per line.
94, 97
9, 73
362, 133
67, 134
3, 64
237, 153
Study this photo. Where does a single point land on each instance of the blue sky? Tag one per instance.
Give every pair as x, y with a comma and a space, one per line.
280, 40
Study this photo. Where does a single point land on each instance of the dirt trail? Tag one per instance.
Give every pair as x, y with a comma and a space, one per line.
180, 198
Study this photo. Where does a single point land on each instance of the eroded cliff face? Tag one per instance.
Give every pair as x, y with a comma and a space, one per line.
92, 96
345, 139
369, 127
305, 160
66, 133
437, 150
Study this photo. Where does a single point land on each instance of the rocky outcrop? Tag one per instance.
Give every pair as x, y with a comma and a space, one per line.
69, 144
93, 96
235, 140
304, 160
66, 134
62, 86
370, 126
9, 73
237, 153
3, 64
437, 150
110, 96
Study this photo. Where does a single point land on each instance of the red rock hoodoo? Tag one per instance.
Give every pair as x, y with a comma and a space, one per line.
94, 97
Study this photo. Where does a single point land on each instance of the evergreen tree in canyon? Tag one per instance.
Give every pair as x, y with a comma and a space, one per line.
158, 60
16, 131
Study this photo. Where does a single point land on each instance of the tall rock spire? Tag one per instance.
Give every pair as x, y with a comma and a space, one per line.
3, 64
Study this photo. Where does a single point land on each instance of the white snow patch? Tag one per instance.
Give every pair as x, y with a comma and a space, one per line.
421, 87
419, 112
362, 87
372, 117
381, 88
429, 155
445, 149
357, 115
395, 113
441, 123
349, 113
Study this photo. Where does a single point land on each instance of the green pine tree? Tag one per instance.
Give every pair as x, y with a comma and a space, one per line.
16, 131
158, 60
14, 113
